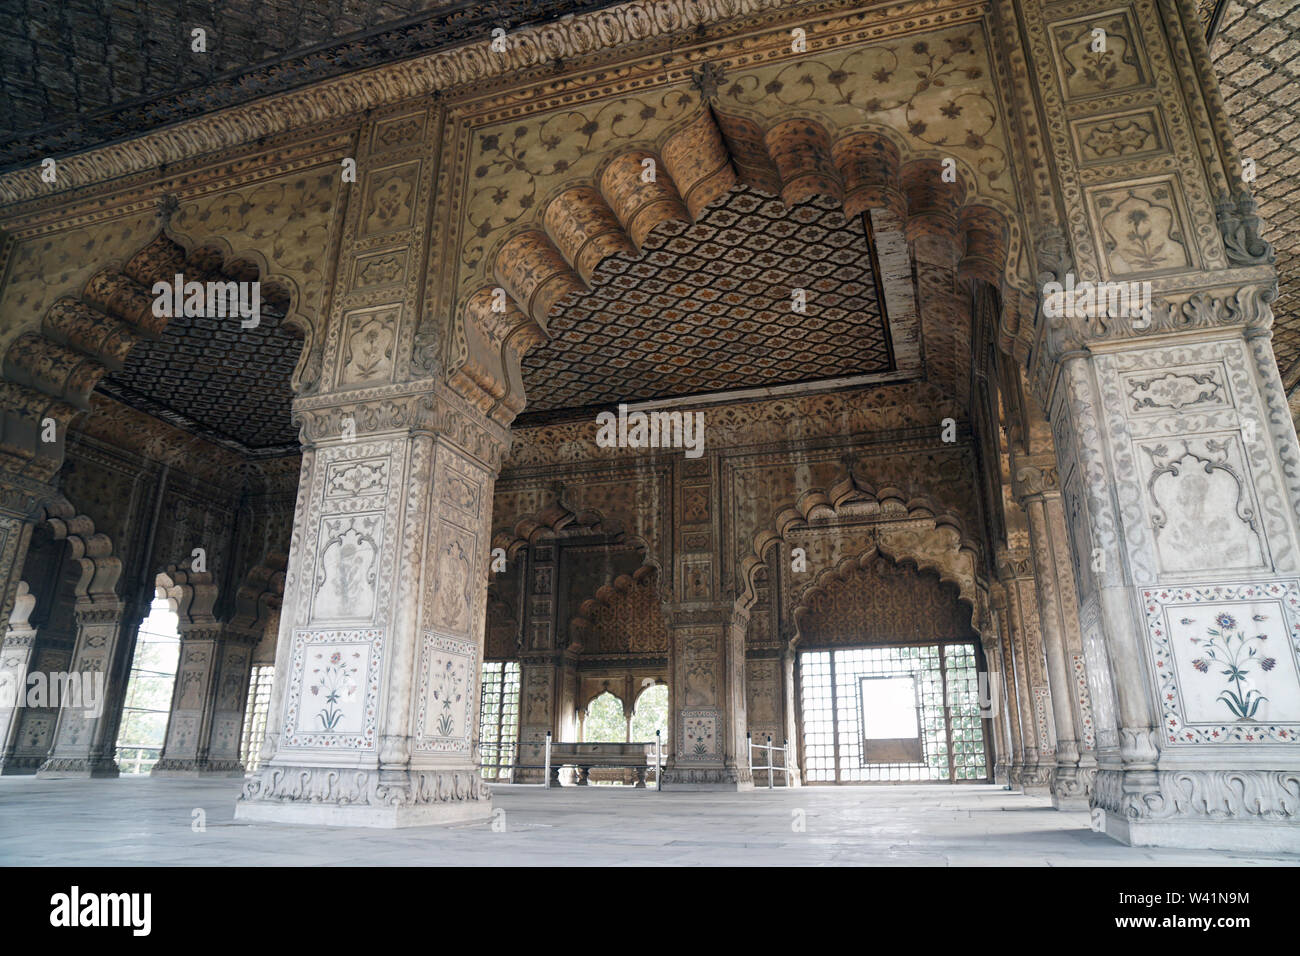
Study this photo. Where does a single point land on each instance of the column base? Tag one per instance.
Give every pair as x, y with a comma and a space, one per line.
707, 779
1191, 834
20, 766
1035, 781
323, 796
1072, 788
60, 768
1251, 810
195, 768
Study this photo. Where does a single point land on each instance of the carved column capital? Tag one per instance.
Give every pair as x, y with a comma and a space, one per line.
1014, 565
410, 409
1034, 478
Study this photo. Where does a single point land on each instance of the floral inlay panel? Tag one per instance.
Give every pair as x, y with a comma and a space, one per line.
333, 698
447, 695
699, 735
1227, 661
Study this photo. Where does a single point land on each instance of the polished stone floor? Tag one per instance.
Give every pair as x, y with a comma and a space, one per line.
142, 821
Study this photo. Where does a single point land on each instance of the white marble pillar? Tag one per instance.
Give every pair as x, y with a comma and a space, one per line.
376, 700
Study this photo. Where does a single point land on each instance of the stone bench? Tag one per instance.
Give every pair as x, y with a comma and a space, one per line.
583, 757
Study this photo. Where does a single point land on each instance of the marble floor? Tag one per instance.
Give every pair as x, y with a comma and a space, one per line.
142, 821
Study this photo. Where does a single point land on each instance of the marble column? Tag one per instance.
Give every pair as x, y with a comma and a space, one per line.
15, 663
1178, 460
1037, 729
997, 699
19, 508
1181, 488
207, 710
540, 663
375, 709
85, 740
707, 697
1037, 492
1015, 755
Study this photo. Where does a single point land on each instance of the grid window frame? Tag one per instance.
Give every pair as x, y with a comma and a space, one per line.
955, 738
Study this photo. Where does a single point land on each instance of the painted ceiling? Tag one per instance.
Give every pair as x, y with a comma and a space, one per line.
709, 308
78, 73
1256, 52
213, 378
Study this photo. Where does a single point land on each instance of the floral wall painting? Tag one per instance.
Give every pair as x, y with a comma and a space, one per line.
1225, 661
1200, 512
1089, 71
345, 583
699, 735
333, 692
447, 695
334, 681
369, 342
389, 199
1141, 227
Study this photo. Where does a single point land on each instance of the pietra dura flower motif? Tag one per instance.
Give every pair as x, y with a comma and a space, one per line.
1232, 654
447, 692
335, 681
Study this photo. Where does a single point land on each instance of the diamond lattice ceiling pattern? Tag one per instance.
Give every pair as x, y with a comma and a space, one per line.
215, 379
1257, 56
708, 308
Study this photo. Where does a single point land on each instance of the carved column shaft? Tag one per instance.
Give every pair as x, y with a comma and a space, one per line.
1011, 695
16, 654
541, 672
1035, 487
1037, 726
383, 617
207, 714
997, 690
707, 652
85, 740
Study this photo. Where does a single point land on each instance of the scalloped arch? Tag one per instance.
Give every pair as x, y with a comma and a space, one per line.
50, 371
93, 550
910, 530
585, 221
844, 570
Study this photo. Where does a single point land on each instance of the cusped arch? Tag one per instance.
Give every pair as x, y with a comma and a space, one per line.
279, 287
92, 550
533, 518
843, 573
259, 597
637, 600
852, 520
583, 223
51, 370
193, 595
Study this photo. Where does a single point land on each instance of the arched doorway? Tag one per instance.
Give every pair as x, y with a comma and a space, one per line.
889, 680
149, 688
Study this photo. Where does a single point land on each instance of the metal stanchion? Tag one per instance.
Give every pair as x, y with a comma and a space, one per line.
547, 771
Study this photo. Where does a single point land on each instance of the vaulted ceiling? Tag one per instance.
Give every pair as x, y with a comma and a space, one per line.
673, 322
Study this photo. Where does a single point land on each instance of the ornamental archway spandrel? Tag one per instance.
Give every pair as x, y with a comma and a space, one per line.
44, 268
861, 522
536, 200
771, 497
283, 225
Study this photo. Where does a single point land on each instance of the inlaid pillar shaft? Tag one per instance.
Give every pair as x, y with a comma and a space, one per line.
1038, 760
381, 630
707, 698
85, 739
